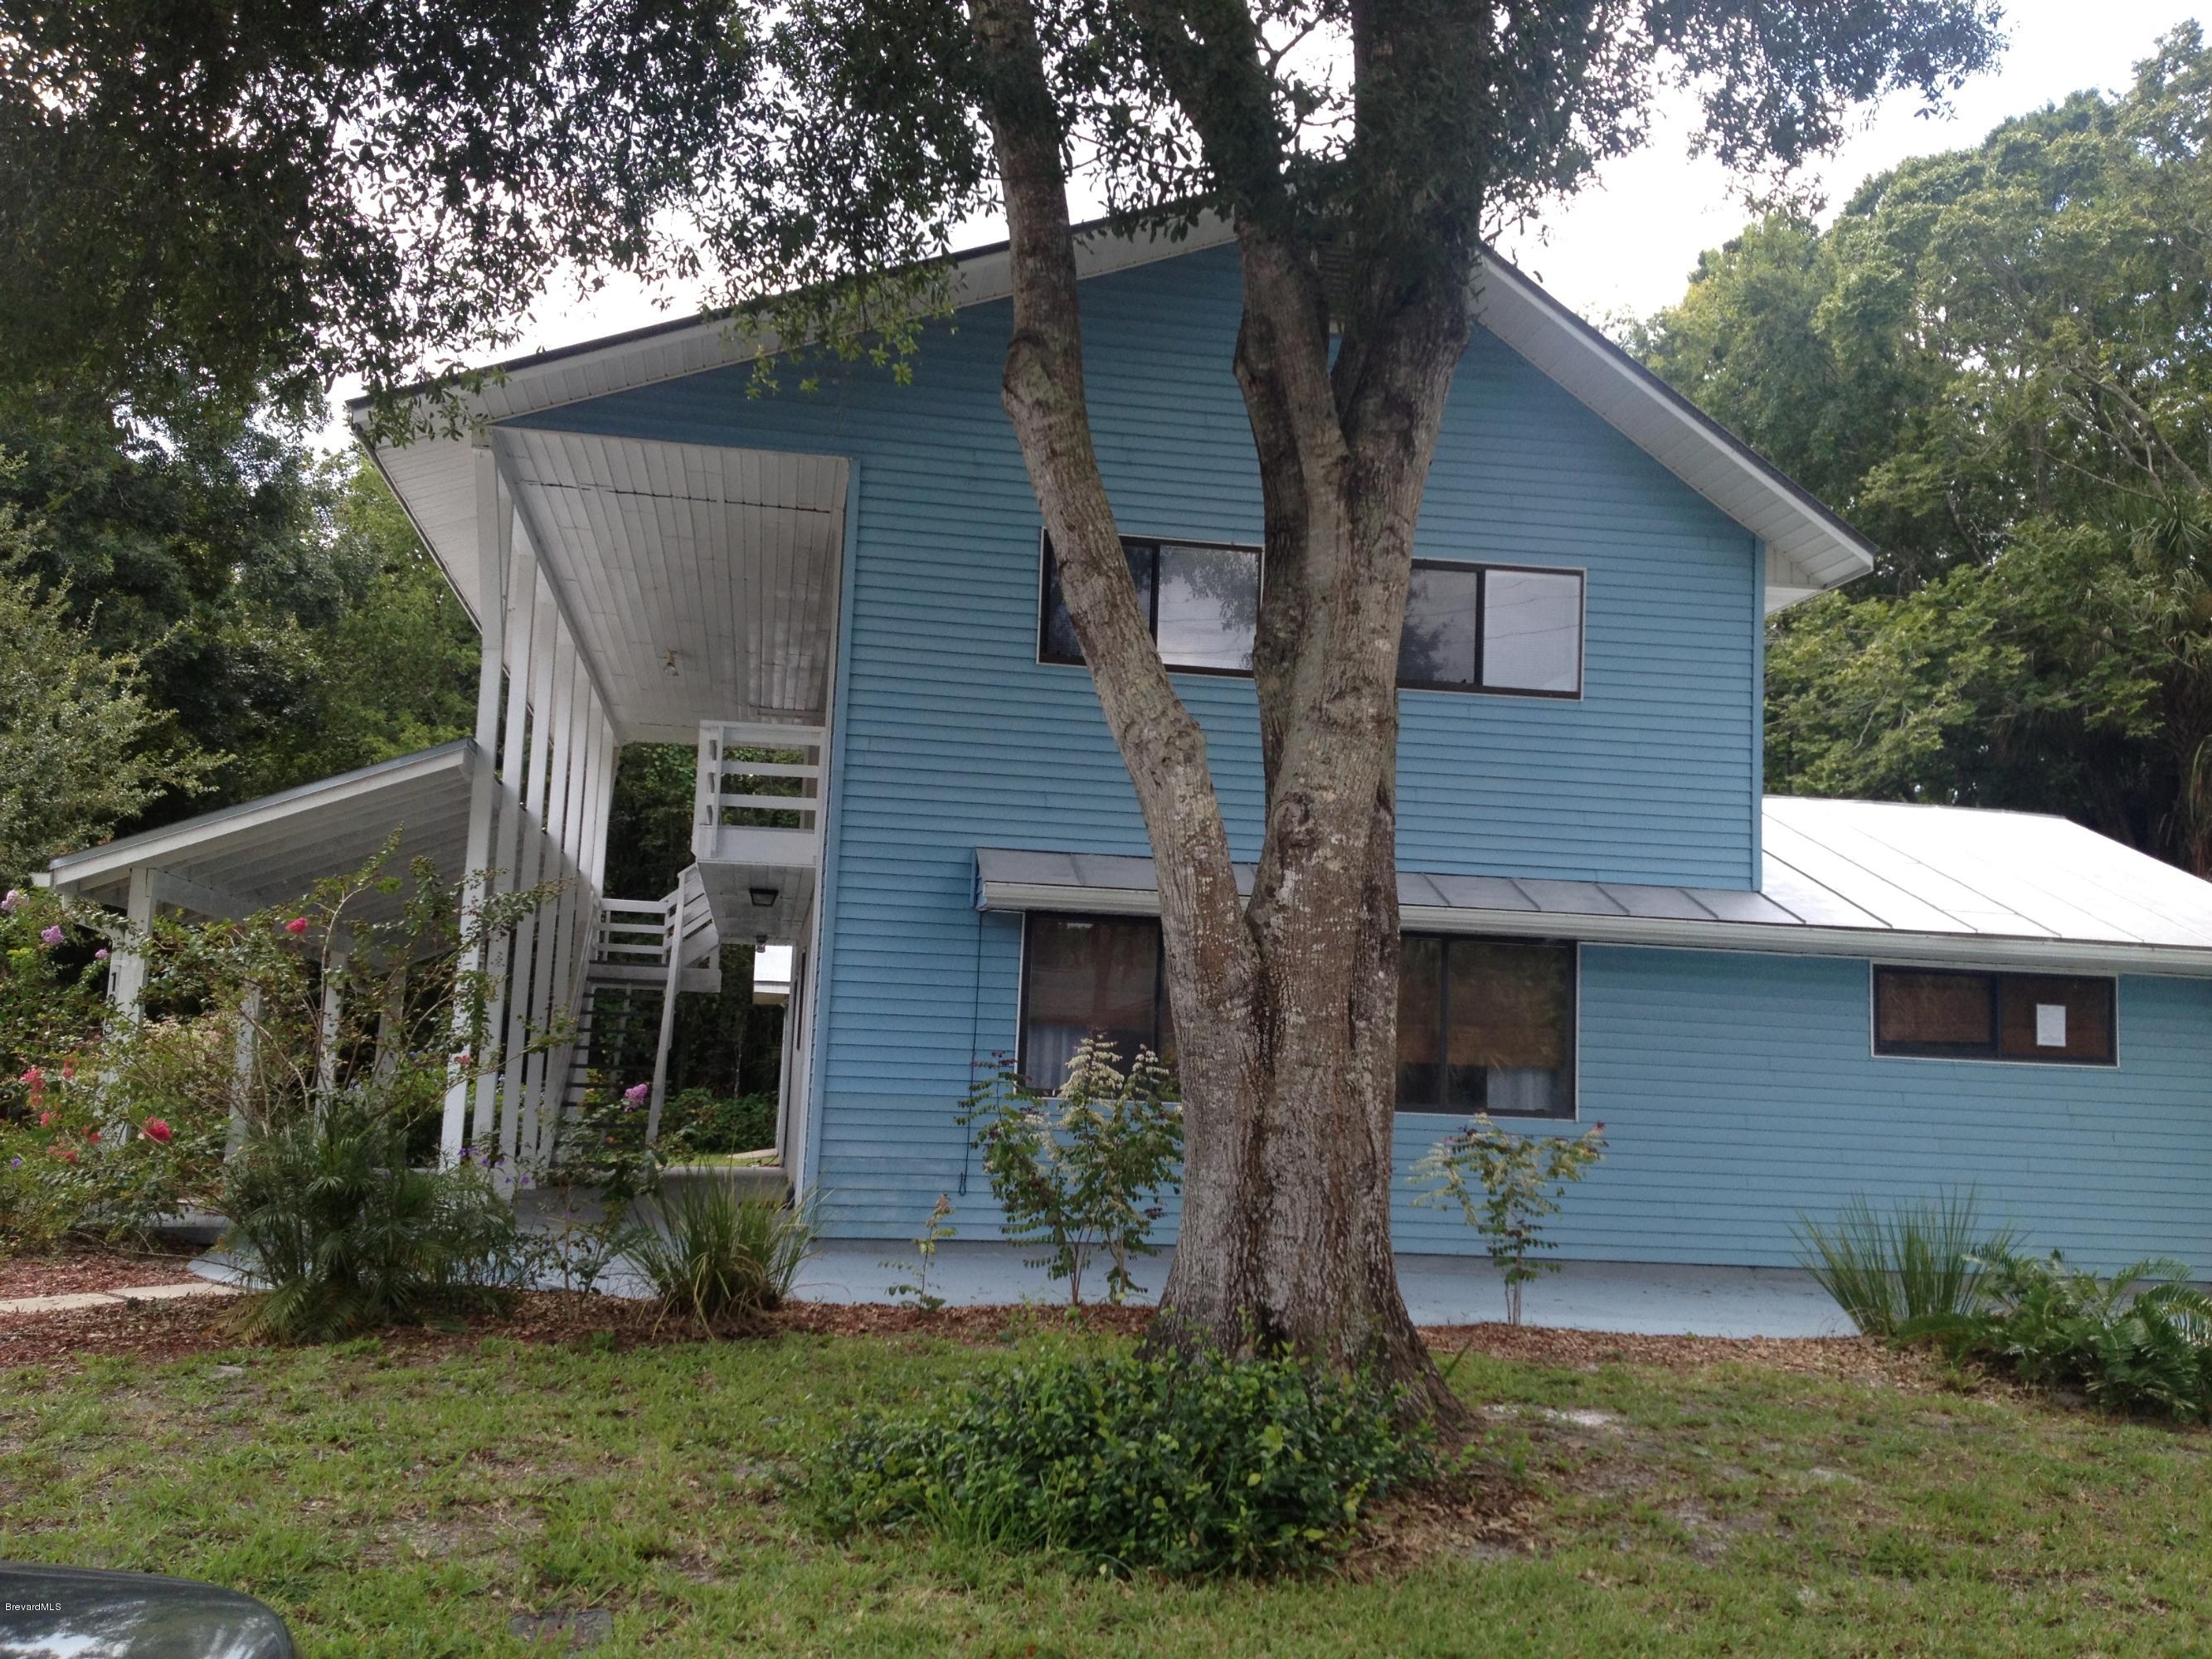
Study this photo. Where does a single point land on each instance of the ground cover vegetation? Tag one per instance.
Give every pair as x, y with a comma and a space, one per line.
1649, 1497
2137, 1340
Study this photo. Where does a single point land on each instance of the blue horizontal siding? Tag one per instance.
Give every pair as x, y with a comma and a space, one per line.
1740, 1092
952, 735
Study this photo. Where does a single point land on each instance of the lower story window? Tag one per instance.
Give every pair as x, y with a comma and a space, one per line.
1090, 976
1486, 1025
1943, 1013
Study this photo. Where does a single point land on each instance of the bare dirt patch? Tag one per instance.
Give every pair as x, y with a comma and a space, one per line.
1852, 1358
75, 1268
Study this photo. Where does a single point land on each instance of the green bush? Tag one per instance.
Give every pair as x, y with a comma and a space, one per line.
1128, 1460
1920, 1261
1081, 1171
2140, 1341
704, 1122
715, 1256
344, 1235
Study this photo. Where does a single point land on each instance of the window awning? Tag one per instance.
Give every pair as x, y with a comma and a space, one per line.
1849, 878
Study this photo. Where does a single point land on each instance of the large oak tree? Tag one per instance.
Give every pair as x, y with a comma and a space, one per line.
431, 151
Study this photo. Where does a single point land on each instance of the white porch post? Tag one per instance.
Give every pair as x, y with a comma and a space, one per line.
126, 961
514, 825
332, 1028
491, 566
660, 1094
242, 1052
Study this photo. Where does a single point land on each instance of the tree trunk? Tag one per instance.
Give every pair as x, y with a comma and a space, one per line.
1286, 1005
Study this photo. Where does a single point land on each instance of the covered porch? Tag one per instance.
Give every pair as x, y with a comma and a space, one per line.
627, 592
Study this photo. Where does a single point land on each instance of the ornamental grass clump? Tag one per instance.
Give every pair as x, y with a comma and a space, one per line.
713, 1256
1922, 1261
1127, 1461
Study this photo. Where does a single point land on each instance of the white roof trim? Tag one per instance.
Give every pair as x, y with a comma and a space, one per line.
1808, 549
1842, 879
96, 865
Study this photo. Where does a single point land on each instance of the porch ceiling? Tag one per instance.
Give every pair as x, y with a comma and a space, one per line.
728, 557
701, 582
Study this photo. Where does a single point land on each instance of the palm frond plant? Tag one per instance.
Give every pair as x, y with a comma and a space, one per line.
1916, 1263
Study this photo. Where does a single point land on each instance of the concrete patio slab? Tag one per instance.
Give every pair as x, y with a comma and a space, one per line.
1592, 1296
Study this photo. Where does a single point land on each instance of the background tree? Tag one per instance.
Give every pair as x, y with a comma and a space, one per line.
82, 748
405, 173
1998, 362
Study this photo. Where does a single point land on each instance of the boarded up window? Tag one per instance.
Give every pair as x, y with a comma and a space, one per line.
1945, 1014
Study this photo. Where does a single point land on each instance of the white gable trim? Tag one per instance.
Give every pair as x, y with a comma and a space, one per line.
1807, 548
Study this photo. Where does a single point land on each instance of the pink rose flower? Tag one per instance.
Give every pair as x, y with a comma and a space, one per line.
158, 1129
636, 1094
296, 926
50, 935
100, 955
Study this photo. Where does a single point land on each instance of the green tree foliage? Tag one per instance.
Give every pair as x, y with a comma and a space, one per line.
284, 621
83, 747
1997, 362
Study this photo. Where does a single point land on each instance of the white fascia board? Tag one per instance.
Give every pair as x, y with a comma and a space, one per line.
1884, 944
155, 848
1667, 426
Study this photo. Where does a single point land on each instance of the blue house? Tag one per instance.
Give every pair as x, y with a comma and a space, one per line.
1772, 1003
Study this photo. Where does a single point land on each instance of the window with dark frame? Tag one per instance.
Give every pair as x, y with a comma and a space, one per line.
1090, 976
1949, 1013
1503, 629
1201, 601
1486, 1025
1493, 628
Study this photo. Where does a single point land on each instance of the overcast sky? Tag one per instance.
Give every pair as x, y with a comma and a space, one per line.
1626, 246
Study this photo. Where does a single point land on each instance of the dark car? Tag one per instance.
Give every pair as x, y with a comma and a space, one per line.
83, 1613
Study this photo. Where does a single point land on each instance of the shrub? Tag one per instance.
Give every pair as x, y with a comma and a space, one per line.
1081, 1171
1919, 1261
345, 1236
2139, 1341
1128, 1460
703, 1121
1523, 1178
716, 1256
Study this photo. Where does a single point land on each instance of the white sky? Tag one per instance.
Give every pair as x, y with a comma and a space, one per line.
1626, 246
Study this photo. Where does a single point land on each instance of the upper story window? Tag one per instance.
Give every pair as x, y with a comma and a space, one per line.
1493, 628
1484, 1024
1940, 1013
1201, 598
1468, 627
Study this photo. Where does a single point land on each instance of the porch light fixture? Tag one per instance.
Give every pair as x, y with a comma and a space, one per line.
763, 896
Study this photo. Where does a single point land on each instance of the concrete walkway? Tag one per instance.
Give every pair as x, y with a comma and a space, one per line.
1440, 1290
126, 1296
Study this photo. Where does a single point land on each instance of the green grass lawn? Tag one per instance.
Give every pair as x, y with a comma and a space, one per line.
387, 1503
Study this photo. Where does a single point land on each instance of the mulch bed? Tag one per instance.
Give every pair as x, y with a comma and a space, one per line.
1858, 1359
173, 1330
75, 1268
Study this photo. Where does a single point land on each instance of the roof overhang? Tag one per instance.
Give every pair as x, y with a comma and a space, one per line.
272, 851
1795, 914
1808, 549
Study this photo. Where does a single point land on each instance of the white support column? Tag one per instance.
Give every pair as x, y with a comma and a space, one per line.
588, 816
553, 927
676, 920
491, 565
126, 962
514, 822
530, 868
331, 1030
243, 1049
